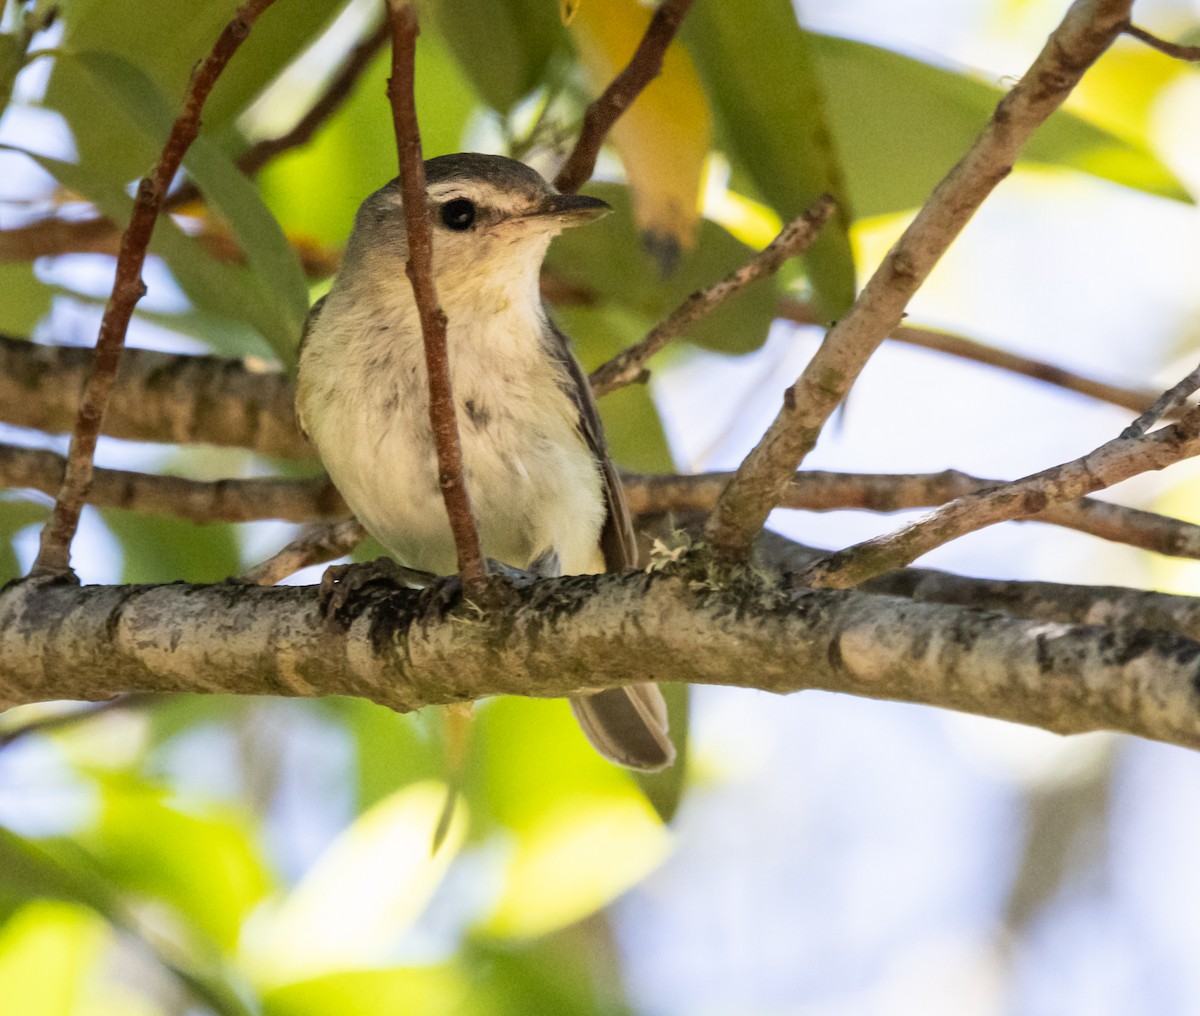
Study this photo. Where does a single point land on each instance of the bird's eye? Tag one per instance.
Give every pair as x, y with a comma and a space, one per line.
458, 214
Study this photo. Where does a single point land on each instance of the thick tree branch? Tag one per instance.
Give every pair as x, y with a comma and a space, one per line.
61, 641
54, 554
158, 397
795, 238
419, 268
1109, 464
1087, 30
643, 67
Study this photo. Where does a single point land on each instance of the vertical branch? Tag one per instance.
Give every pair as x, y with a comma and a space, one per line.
419, 268
54, 553
1086, 31
643, 67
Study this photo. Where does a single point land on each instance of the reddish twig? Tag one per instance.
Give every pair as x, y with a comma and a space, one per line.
1189, 53
795, 238
327, 103
419, 268
54, 554
643, 67
1087, 30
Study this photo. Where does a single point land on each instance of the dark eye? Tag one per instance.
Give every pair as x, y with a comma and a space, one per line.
458, 214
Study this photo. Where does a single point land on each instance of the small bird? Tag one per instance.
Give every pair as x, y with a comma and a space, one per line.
545, 495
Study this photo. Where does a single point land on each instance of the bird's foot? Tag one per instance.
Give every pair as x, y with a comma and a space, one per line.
343, 585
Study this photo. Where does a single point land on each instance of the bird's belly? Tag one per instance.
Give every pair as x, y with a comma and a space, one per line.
534, 485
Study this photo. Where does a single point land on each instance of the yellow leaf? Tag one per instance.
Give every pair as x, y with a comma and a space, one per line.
663, 138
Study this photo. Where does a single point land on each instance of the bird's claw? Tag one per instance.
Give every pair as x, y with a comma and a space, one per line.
343, 584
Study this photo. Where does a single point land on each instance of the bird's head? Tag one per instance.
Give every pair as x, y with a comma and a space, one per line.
491, 219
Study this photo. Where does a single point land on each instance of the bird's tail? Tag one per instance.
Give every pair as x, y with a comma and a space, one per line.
627, 725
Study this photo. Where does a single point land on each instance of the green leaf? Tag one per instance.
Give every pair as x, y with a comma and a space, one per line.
162, 549
430, 991
24, 298
206, 865
48, 950
607, 259
224, 290
315, 190
59, 869
769, 98
15, 515
273, 263
504, 46
165, 40
901, 124
12, 59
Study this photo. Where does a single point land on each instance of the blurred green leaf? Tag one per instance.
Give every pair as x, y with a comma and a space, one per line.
769, 97
206, 865
15, 515
901, 124
59, 869
315, 190
571, 973
224, 290
26, 298
273, 263
47, 952
392, 750
503, 45
12, 59
367, 888
163, 549
582, 833
429, 991
165, 40
607, 259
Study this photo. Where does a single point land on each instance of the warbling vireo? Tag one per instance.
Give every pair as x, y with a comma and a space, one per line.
545, 495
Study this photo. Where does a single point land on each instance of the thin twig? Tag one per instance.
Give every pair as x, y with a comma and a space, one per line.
643, 67
1087, 30
795, 238
316, 500
317, 546
1169, 402
1189, 53
419, 268
1111, 463
54, 554
336, 92
1138, 400
819, 491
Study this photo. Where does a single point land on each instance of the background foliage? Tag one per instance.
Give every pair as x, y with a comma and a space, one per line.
274, 857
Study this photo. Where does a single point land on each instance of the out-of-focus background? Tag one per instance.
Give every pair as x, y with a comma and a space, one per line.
826, 855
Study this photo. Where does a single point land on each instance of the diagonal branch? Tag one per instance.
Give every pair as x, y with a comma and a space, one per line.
1111, 463
643, 67
419, 268
1179, 52
54, 554
1087, 30
795, 238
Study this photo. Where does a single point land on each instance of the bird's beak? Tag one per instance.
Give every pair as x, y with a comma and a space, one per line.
572, 209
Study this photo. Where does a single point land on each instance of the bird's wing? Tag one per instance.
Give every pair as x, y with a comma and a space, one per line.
617, 539
310, 323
